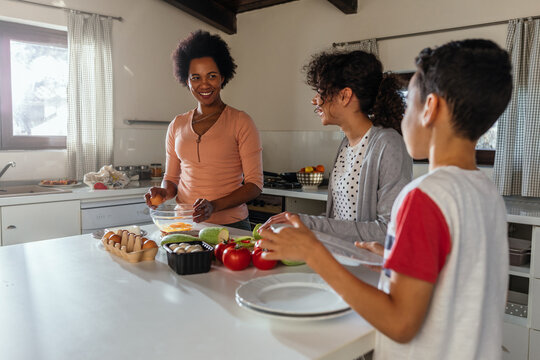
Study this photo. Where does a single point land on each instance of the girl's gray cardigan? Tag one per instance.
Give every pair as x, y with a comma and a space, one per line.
387, 168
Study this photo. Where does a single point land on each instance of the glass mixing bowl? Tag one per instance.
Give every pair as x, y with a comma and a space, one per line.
174, 218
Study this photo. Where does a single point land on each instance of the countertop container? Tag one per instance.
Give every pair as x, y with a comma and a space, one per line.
190, 263
520, 251
310, 181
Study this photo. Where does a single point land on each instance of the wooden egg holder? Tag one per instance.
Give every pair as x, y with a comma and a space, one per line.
130, 248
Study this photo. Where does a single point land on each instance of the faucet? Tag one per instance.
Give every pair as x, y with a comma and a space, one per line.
11, 163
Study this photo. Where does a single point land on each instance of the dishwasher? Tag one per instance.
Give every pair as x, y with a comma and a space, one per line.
98, 215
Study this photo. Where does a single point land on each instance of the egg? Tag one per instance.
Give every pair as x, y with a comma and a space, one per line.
148, 244
115, 238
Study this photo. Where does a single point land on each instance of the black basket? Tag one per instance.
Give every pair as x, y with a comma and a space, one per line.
190, 263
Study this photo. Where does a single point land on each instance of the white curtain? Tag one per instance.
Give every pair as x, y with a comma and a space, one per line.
90, 102
517, 159
369, 46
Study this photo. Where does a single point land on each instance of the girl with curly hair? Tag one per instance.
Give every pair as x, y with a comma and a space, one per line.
214, 153
372, 164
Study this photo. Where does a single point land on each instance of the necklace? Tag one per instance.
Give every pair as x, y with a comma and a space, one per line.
195, 121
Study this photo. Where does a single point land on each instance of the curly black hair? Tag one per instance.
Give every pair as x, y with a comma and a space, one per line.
202, 44
473, 76
378, 93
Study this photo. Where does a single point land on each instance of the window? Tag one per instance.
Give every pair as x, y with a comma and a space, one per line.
33, 87
486, 145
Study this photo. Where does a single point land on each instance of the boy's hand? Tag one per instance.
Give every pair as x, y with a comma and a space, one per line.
276, 219
374, 247
291, 243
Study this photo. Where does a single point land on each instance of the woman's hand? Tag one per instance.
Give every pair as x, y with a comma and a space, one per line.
296, 243
155, 196
374, 247
276, 219
202, 210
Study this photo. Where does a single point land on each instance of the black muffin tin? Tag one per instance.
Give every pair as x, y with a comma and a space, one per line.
190, 263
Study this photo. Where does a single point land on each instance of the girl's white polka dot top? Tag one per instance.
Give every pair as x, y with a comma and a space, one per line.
345, 176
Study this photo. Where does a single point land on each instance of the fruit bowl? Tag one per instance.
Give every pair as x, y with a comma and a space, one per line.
174, 218
311, 180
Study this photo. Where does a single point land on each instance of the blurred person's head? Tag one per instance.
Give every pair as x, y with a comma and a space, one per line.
335, 75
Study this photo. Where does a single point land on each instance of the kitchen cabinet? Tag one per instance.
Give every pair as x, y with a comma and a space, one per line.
521, 334
33, 222
515, 342
534, 345
305, 206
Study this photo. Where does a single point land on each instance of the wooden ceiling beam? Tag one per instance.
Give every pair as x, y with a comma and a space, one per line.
255, 5
347, 6
210, 12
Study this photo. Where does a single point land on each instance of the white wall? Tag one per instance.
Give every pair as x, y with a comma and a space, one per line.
144, 86
273, 44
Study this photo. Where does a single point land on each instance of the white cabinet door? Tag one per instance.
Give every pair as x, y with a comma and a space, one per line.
535, 252
515, 342
25, 223
534, 348
534, 303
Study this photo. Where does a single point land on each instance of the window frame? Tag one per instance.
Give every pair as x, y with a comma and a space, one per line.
483, 157
27, 33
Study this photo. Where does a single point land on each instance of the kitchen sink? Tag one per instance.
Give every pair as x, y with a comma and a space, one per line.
23, 190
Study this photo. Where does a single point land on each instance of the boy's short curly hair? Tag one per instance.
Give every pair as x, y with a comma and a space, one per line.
378, 93
202, 44
473, 77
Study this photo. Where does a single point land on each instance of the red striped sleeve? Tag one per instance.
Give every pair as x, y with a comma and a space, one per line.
422, 240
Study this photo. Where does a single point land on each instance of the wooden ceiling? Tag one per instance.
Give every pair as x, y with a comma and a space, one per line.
222, 13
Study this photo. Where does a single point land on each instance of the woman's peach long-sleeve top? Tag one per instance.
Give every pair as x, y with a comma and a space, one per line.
228, 153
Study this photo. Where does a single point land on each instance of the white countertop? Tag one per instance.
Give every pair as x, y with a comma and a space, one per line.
320, 194
84, 193
70, 299
81, 192
523, 210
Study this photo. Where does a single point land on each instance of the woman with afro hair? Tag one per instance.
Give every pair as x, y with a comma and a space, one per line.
372, 164
214, 153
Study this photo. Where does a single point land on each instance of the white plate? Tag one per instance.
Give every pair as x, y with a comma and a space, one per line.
343, 251
62, 186
273, 315
291, 294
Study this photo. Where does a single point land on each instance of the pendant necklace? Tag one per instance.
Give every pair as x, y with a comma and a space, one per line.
195, 121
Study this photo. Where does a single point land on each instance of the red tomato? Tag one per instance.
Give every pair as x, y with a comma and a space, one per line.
260, 262
220, 248
236, 258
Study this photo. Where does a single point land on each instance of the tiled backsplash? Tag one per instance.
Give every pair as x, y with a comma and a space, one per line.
139, 145
34, 165
285, 151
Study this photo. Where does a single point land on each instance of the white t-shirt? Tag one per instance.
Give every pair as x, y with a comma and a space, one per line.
449, 228
345, 177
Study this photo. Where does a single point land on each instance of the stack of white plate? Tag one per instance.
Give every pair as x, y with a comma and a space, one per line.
291, 296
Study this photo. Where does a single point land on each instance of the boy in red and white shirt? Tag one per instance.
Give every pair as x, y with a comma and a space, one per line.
443, 285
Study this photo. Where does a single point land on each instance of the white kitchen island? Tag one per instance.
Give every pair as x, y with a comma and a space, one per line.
68, 298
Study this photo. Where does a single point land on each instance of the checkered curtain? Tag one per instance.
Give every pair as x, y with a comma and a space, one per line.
369, 46
90, 97
517, 159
